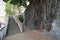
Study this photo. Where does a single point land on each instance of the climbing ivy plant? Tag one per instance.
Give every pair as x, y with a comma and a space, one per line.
15, 2
8, 7
18, 2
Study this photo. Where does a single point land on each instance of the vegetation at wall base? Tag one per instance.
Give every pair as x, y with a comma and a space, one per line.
20, 17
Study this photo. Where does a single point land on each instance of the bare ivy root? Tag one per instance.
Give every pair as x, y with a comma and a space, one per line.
40, 14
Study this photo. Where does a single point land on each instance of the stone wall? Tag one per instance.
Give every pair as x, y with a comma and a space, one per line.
2, 11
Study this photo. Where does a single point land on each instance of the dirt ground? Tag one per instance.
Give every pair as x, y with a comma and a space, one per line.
28, 35
14, 33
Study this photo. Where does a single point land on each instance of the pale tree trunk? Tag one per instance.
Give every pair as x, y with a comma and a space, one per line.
40, 14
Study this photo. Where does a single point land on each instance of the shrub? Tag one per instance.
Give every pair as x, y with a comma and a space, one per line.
20, 17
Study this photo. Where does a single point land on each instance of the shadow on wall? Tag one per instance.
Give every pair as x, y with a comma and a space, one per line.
12, 27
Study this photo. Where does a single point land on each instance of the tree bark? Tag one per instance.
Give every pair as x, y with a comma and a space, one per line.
40, 14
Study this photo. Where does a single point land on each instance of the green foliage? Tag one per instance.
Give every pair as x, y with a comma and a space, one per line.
8, 7
20, 17
5, 0
18, 2
14, 2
